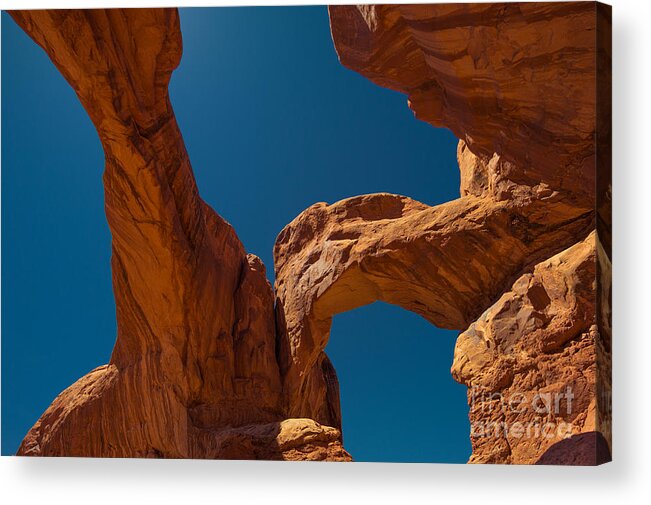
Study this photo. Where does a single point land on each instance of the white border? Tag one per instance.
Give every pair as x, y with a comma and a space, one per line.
627, 479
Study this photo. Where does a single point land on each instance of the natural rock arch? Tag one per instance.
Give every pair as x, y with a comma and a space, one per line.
447, 263
203, 367
527, 193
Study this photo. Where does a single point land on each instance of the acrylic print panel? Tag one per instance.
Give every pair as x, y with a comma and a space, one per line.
436, 289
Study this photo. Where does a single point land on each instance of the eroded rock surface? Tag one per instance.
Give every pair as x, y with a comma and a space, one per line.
517, 79
530, 362
516, 82
195, 349
446, 263
205, 366
289, 440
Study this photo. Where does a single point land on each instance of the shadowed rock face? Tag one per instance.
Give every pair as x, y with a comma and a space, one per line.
584, 449
205, 366
515, 79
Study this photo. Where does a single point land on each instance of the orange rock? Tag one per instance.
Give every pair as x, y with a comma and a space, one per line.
195, 349
204, 366
514, 79
530, 362
289, 440
518, 83
446, 263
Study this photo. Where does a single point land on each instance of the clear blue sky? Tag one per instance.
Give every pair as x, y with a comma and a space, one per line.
273, 123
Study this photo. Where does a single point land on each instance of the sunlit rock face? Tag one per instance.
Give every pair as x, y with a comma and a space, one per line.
517, 84
211, 362
514, 79
195, 351
530, 362
446, 263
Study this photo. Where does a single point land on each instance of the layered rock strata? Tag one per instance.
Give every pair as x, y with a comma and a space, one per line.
206, 366
517, 83
530, 362
517, 79
195, 349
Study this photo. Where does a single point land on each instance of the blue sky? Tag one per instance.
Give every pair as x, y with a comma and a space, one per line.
273, 123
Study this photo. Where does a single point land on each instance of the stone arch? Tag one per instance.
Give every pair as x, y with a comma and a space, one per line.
447, 263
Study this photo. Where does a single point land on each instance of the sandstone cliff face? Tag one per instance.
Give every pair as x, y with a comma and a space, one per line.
498, 75
517, 83
530, 362
206, 366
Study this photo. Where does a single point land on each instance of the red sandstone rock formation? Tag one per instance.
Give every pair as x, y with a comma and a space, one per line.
530, 361
195, 350
516, 79
446, 263
203, 367
517, 83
